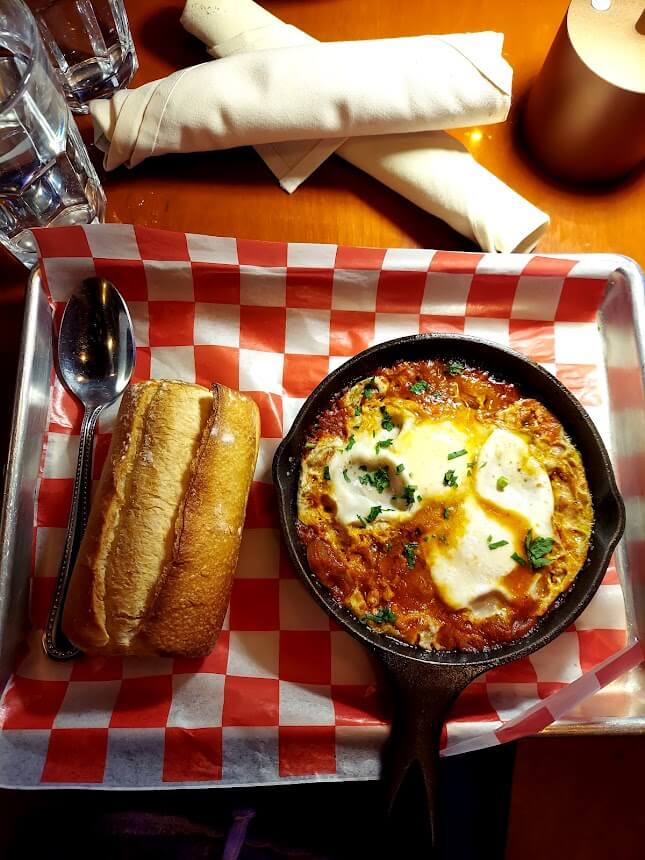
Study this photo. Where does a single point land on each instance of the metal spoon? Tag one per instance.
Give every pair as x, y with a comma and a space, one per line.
96, 354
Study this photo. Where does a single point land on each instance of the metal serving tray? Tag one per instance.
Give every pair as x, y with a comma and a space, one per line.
621, 321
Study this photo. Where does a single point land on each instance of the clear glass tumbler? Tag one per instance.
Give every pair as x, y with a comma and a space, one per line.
90, 43
46, 176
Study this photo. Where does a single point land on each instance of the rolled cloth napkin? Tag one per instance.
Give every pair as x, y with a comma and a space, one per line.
431, 169
330, 89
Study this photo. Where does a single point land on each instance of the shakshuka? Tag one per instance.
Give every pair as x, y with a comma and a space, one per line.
441, 506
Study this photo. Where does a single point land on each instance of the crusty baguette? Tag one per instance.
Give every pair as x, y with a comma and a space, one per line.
191, 603
154, 570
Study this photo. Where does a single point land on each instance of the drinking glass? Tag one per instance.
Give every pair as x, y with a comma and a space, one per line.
90, 44
46, 176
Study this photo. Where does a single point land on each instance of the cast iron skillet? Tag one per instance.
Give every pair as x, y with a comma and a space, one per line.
427, 682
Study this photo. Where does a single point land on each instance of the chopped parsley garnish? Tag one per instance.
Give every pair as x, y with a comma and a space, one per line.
326, 474
400, 468
388, 547
373, 514
419, 498
384, 443
419, 387
384, 615
346, 476
450, 479
446, 513
537, 550
454, 454
350, 443
378, 479
454, 368
386, 423
408, 494
357, 410
370, 388
501, 483
518, 558
410, 554
497, 544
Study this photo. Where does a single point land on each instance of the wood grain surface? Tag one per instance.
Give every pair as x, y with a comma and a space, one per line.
233, 193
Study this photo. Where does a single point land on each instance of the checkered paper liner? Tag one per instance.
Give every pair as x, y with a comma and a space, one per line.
286, 695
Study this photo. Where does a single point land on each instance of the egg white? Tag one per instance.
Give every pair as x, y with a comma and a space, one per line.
467, 573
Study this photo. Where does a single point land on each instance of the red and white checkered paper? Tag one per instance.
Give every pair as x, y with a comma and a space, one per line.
285, 695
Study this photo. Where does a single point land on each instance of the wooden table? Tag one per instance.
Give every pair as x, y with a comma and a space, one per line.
232, 193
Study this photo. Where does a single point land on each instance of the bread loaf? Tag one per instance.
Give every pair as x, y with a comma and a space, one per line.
155, 567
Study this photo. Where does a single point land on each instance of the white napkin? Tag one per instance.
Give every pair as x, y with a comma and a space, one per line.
431, 169
329, 89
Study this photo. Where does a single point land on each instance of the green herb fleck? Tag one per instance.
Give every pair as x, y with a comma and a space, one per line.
450, 479
455, 367
419, 387
346, 476
378, 479
408, 494
446, 513
357, 410
326, 474
370, 388
373, 514
400, 468
419, 498
310, 444
350, 443
518, 558
388, 547
384, 615
501, 483
410, 554
497, 544
386, 423
454, 454
383, 443
537, 550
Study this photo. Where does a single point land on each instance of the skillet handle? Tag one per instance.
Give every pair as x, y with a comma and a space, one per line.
422, 694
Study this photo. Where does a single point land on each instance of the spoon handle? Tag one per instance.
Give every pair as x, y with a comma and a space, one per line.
55, 642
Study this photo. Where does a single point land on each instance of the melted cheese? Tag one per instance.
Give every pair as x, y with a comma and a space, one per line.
421, 447
528, 493
470, 571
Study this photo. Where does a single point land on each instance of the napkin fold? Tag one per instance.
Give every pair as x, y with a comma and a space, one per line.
431, 169
328, 89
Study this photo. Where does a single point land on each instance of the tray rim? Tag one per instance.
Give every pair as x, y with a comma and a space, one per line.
614, 725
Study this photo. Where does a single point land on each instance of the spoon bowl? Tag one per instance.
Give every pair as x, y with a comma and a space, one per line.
96, 350
96, 356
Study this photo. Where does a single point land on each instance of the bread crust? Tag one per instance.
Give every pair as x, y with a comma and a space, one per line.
156, 563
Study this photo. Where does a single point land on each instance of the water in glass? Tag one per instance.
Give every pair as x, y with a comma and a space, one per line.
46, 176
